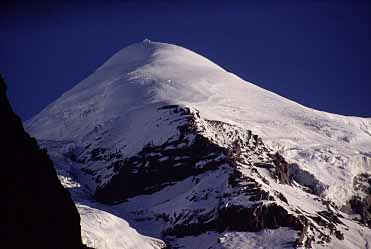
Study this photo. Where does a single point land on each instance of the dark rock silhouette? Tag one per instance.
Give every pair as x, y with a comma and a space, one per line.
37, 212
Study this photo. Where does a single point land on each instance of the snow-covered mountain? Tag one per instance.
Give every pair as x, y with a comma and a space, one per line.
191, 154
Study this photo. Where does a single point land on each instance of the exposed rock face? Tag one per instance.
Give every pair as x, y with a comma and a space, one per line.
155, 167
237, 182
307, 180
199, 148
361, 204
37, 212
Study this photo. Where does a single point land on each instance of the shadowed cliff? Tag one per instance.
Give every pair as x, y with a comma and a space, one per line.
37, 211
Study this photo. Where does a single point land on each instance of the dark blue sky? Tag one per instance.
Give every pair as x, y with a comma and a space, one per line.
317, 53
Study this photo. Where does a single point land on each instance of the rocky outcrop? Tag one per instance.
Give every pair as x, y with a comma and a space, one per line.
37, 212
361, 204
308, 181
202, 145
244, 195
155, 167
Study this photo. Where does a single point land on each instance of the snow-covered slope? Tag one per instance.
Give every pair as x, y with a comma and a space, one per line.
156, 117
121, 96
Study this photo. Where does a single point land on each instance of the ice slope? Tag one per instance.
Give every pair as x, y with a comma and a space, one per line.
115, 108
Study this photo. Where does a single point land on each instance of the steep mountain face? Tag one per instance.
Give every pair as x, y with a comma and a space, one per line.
193, 155
37, 211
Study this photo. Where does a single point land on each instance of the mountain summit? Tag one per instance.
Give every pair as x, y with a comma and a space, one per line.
177, 141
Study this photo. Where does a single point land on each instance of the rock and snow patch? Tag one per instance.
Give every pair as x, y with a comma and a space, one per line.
224, 180
99, 229
266, 239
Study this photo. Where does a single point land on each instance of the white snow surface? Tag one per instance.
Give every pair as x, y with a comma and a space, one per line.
116, 106
103, 230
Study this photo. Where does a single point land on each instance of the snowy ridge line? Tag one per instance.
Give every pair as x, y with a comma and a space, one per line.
108, 107
311, 165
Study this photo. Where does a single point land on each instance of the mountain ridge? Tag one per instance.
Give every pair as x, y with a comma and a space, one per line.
144, 109
100, 102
